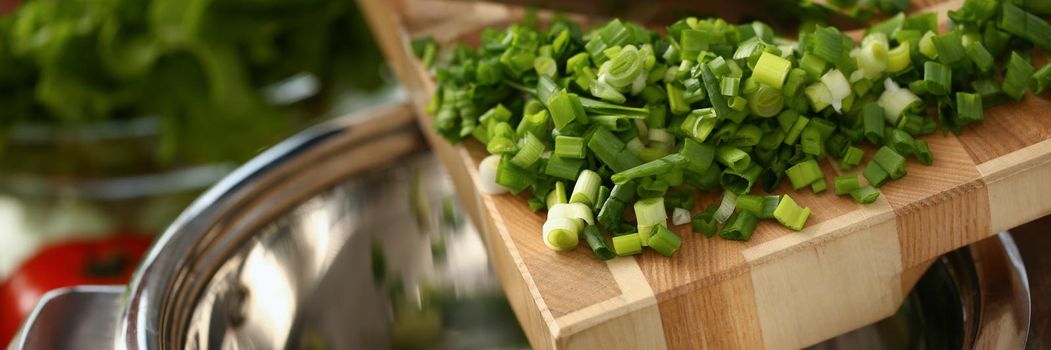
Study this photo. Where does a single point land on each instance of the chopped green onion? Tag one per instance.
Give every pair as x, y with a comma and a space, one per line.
938, 78
565, 108
865, 195
923, 153
790, 214
733, 158
603, 195
837, 144
760, 206
529, 151
872, 59
851, 158
535, 204
569, 147
512, 176
927, 47
796, 78
680, 216
629, 244
896, 101
562, 234
487, 170
661, 116
676, 100
729, 85
875, 174
804, 174
898, 58
563, 168
819, 96
874, 120
771, 140
846, 183
1042, 79
827, 43
1016, 79
771, 70
726, 207
545, 66
622, 69
915, 124
659, 166
740, 226
709, 179
653, 187
610, 150
705, 223
579, 211
797, 128
681, 198
740, 181
535, 124
699, 124
557, 195
664, 241
746, 136
616, 123
719, 103
900, 141
812, 65
597, 243
968, 108
980, 56
819, 186
838, 88
612, 212
766, 101
1023, 24
586, 188
650, 212
950, 48
699, 156
812, 142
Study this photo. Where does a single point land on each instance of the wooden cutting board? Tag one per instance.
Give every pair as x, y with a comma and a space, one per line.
852, 264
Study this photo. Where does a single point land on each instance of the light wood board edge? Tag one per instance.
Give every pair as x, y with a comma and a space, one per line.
807, 284
1019, 185
628, 321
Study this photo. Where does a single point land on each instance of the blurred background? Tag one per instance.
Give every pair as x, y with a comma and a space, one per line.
116, 114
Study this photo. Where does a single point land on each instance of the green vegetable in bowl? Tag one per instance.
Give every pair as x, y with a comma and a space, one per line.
202, 67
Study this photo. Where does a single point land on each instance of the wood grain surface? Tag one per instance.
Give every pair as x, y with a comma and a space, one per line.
849, 267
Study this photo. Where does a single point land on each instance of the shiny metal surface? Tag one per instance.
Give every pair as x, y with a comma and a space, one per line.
353, 266
346, 236
82, 317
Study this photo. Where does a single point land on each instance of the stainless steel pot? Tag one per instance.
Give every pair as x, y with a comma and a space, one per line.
330, 239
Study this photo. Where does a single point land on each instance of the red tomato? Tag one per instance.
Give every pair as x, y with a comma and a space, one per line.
97, 261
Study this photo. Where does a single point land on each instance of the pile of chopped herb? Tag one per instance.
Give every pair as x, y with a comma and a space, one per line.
622, 117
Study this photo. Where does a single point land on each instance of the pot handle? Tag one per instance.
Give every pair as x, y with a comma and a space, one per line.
82, 317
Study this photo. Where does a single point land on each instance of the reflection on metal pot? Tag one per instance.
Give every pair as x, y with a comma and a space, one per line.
349, 268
